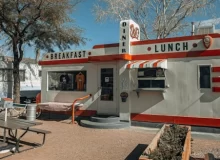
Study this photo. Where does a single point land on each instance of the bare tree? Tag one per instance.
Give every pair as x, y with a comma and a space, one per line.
45, 24
157, 18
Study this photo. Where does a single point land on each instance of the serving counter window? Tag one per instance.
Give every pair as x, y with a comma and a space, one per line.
67, 80
151, 78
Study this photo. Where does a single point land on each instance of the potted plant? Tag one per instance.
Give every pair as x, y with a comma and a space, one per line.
171, 141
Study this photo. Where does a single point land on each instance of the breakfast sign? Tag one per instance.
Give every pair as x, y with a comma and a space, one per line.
67, 55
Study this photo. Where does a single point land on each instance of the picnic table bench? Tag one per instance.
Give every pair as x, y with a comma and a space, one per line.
39, 131
15, 124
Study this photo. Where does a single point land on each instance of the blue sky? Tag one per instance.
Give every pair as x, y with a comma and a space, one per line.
99, 33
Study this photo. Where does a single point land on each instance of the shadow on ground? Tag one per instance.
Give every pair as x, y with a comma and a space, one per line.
136, 153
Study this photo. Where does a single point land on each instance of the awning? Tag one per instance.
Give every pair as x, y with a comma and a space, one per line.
158, 63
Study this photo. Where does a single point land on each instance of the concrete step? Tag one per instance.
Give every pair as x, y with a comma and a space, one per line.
105, 119
90, 124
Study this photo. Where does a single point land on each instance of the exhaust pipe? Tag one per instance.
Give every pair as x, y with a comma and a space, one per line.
193, 29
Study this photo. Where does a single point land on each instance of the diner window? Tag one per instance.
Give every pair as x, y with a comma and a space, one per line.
151, 78
22, 75
205, 76
67, 80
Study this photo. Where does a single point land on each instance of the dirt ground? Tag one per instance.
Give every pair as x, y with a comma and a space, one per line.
73, 142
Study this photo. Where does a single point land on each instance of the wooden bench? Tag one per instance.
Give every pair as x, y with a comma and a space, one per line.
39, 131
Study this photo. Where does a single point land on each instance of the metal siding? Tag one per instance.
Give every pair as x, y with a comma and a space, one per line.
216, 106
192, 95
183, 97
168, 95
160, 106
123, 86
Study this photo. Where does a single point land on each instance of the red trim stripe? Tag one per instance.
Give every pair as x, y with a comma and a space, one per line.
155, 64
85, 113
215, 69
109, 57
128, 57
106, 45
216, 79
77, 113
177, 55
156, 56
196, 121
142, 64
176, 39
66, 61
215, 89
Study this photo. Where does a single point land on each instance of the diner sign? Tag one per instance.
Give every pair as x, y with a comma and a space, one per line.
68, 55
129, 32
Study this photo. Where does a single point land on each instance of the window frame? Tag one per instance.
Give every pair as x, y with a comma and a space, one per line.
68, 70
6, 70
39, 73
198, 74
152, 78
22, 70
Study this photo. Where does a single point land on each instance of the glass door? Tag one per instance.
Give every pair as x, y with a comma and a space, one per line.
107, 84
107, 99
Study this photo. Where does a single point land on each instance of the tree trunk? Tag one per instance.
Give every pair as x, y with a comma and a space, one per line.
18, 54
16, 89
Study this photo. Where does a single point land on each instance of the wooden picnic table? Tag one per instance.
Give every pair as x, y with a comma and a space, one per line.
13, 124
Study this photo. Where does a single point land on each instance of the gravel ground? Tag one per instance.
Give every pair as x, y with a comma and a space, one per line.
201, 147
73, 142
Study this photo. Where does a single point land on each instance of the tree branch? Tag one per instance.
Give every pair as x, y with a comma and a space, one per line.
33, 20
23, 8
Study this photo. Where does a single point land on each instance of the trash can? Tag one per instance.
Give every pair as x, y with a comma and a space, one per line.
31, 112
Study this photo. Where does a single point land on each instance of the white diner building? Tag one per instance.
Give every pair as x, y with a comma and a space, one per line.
172, 80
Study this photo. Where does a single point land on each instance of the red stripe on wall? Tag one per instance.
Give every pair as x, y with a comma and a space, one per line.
66, 61
206, 53
85, 113
194, 121
215, 89
156, 56
110, 57
176, 39
176, 55
77, 113
215, 69
216, 79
